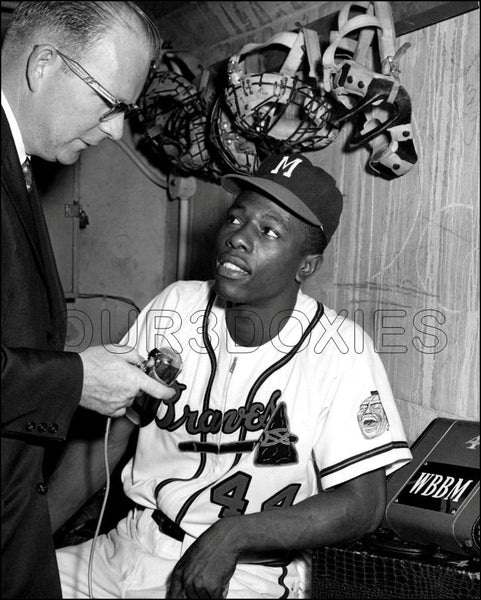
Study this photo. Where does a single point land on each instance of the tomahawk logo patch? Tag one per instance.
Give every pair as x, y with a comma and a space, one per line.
371, 417
276, 444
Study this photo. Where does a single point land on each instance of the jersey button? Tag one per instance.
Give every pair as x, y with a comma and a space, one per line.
41, 427
53, 428
30, 426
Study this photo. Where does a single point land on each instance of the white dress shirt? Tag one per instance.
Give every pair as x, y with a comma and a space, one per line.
17, 136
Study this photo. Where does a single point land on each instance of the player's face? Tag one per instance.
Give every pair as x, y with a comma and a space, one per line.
259, 253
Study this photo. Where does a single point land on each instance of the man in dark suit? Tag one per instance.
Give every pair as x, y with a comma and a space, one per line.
54, 56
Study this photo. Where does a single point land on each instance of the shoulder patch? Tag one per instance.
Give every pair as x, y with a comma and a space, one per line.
371, 417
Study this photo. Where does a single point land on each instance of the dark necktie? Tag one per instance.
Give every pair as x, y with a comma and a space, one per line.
27, 173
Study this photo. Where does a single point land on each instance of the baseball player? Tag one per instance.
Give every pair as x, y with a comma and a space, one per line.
279, 436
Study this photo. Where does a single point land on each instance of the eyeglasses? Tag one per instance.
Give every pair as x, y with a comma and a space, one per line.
117, 106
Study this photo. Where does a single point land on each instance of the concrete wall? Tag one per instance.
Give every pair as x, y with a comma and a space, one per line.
411, 247
129, 248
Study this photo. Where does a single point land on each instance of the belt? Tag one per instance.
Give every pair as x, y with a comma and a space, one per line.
168, 526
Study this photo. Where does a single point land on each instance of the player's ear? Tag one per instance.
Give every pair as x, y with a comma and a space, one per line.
42, 62
309, 265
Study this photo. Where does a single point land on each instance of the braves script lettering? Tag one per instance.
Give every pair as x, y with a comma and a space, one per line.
213, 420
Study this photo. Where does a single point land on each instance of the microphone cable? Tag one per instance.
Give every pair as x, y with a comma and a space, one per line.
167, 364
102, 510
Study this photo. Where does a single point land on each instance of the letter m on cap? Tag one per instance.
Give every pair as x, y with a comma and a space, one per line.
286, 166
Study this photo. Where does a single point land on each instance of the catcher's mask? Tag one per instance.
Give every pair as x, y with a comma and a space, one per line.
236, 153
281, 105
173, 111
378, 105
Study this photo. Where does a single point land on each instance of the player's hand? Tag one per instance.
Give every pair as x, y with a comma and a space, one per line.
206, 567
112, 380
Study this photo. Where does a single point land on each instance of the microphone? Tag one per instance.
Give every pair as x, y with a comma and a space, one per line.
163, 365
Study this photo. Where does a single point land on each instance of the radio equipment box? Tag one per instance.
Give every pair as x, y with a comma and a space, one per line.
434, 499
428, 543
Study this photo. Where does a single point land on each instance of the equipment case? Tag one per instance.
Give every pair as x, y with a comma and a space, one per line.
434, 499
428, 543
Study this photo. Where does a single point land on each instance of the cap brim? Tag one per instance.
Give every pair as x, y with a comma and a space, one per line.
235, 184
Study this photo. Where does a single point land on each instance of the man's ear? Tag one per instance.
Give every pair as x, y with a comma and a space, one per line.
309, 265
41, 62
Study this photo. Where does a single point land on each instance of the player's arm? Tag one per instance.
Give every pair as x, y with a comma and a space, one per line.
347, 512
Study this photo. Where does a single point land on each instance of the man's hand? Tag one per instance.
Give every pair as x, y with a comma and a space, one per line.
205, 569
111, 380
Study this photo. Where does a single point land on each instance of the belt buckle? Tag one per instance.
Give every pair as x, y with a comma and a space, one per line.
168, 526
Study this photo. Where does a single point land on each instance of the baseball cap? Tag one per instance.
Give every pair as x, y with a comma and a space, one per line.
299, 186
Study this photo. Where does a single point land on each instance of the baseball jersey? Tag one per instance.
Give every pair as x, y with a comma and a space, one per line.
255, 428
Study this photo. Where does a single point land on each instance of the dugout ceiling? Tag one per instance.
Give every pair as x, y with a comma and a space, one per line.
213, 31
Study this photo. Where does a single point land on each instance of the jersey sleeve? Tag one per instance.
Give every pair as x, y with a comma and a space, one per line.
162, 321
363, 430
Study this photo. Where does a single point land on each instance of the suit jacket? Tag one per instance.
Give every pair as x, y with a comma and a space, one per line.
41, 384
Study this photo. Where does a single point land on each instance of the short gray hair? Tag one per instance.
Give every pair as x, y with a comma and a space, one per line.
76, 24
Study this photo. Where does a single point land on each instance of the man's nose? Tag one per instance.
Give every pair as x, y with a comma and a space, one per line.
114, 128
241, 239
